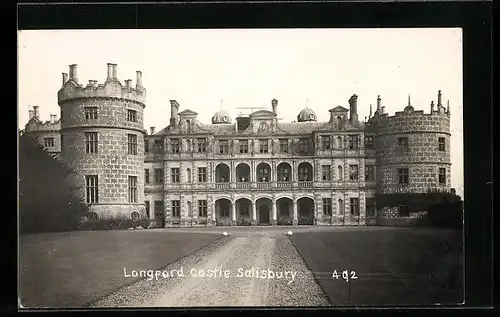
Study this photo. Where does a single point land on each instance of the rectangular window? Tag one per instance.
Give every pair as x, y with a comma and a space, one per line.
175, 175
132, 144
202, 208
223, 146
243, 146
403, 144
370, 206
146, 203
202, 145
442, 176
146, 146
91, 142
354, 206
353, 142
369, 141
327, 206
369, 172
159, 175
304, 146
132, 189
353, 172
325, 142
442, 144
403, 176
92, 189
283, 145
326, 172
146, 176
304, 174
90, 113
202, 174
263, 146
158, 146
176, 208
131, 115
404, 211
48, 142
176, 146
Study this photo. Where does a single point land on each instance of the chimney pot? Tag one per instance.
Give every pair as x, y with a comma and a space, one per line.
64, 78
439, 98
52, 118
353, 107
139, 79
152, 130
73, 74
274, 103
110, 70
35, 112
174, 108
30, 114
115, 70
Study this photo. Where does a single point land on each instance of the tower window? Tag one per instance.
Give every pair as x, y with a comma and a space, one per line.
132, 189
91, 142
48, 142
403, 144
442, 175
132, 144
91, 189
403, 176
90, 113
369, 141
442, 144
131, 115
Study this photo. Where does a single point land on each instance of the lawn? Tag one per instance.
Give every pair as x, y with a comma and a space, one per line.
393, 266
71, 270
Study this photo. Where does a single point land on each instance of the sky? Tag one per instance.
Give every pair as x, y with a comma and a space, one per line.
206, 70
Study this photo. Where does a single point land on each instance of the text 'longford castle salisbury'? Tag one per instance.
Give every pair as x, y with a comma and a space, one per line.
255, 170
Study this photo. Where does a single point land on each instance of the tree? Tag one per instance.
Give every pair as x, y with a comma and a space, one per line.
47, 203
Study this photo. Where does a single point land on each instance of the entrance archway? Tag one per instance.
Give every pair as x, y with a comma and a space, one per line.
263, 206
223, 212
284, 208
305, 208
243, 212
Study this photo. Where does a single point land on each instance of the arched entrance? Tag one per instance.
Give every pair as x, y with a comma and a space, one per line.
243, 212
305, 209
284, 208
223, 212
263, 206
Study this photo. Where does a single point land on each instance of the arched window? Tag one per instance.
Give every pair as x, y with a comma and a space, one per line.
188, 174
135, 216
190, 209
341, 207
92, 216
340, 174
339, 142
188, 145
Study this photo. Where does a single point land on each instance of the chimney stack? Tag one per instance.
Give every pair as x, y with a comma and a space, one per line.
432, 106
174, 109
115, 70
439, 99
383, 109
379, 103
64, 78
52, 118
139, 80
110, 70
353, 108
128, 83
73, 74
31, 114
35, 112
93, 83
274, 103
151, 130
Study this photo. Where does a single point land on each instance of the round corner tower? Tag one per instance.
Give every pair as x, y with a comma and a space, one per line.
102, 140
413, 150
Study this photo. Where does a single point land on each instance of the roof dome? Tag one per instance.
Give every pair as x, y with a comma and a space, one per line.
306, 115
221, 117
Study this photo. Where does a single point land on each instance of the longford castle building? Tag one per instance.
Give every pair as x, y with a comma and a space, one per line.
254, 170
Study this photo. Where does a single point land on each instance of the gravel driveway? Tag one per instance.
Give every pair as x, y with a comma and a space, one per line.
249, 268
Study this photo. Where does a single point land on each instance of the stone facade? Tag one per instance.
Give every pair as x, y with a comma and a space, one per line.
255, 171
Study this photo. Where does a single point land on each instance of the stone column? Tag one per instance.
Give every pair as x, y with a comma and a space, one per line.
254, 214
214, 212
233, 214
295, 213
275, 216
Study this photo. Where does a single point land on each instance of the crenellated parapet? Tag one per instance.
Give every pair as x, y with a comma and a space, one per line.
112, 88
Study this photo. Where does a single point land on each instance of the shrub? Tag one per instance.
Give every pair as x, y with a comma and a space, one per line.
116, 223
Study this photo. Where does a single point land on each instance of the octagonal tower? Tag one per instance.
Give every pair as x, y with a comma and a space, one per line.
102, 140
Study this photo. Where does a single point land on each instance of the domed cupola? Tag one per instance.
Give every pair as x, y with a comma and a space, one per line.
409, 108
221, 117
306, 115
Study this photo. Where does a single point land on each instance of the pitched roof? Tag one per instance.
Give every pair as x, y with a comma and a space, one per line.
339, 109
188, 112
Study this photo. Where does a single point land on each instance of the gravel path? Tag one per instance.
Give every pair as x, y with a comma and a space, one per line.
291, 285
